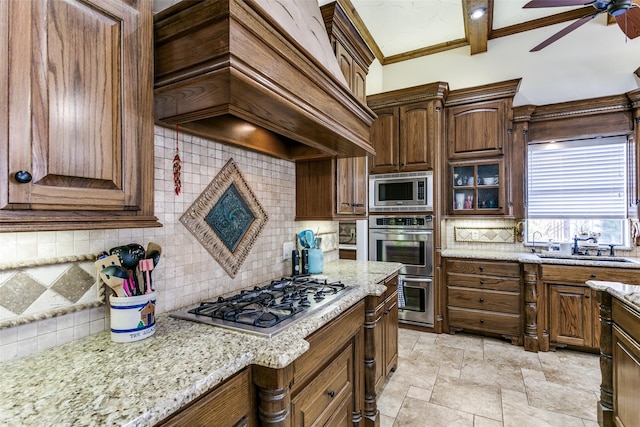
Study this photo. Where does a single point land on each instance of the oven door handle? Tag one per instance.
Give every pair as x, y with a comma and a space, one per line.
387, 233
416, 279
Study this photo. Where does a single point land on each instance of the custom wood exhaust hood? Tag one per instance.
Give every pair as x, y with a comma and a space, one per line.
259, 74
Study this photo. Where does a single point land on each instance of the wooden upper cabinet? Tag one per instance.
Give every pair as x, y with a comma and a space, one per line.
479, 120
77, 78
416, 123
407, 129
477, 130
385, 137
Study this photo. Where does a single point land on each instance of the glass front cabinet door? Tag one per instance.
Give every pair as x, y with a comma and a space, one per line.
477, 188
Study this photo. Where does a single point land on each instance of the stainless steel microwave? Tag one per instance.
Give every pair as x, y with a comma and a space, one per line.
401, 192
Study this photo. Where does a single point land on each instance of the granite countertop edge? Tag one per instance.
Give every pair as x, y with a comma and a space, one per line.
530, 258
628, 294
90, 381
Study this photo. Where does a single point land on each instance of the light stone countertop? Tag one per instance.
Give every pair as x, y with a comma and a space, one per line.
629, 294
96, 382
527, 257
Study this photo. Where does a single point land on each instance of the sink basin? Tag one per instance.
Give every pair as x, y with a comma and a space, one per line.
602, 258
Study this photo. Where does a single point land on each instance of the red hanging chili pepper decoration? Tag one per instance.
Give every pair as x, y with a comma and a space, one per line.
177, 166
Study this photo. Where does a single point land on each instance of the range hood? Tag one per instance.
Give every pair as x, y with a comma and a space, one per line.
260, 74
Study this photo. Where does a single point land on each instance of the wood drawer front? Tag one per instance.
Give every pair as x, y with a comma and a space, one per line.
324, 342
230, 404
503, 302
580, 274
318, 401
626, 318
489, 268
483, 282
484, 321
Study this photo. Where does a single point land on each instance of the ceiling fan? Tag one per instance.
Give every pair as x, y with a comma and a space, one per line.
626, 13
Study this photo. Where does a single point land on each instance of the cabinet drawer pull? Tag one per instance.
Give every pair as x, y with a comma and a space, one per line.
481, 320
481, 299
587, 296
482, 282
23, 177
481, 268
593, 275
331, 393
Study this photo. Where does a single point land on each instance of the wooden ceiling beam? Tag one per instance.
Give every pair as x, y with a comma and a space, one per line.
476, 31
558, 18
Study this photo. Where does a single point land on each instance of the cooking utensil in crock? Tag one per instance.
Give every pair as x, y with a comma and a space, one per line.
118, 279
129, 259
146, 266
307, 240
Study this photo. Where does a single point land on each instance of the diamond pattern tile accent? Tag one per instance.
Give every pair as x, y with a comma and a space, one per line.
73, 284
19, 292
486, 235
226, 218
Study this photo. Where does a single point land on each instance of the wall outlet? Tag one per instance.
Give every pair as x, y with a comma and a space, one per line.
475, 235
287, 248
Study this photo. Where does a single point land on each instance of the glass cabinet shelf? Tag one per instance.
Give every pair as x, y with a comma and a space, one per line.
477, 187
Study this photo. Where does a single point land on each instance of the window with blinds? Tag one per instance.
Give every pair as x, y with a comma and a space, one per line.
576, 187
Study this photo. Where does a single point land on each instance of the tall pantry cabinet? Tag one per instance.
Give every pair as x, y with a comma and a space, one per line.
76, 133
337, 188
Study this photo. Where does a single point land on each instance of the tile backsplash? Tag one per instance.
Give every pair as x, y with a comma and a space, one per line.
186, 273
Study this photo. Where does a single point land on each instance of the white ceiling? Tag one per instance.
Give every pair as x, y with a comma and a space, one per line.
594, 60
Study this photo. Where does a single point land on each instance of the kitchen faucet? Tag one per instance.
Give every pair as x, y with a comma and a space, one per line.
576, 239
533, 249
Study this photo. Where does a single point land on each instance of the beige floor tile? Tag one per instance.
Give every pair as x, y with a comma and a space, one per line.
433, 353
494, 374
517, 413
461, 341
419, 393
386, 421
417, 413
564, 399
570, 367
468, 396
479, 421
407, 339
506, 354
416, 372
449, 372
590, 423
391, 398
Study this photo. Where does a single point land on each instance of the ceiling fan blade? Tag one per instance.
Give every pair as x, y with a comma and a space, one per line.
564, 31
555, 3
629, 22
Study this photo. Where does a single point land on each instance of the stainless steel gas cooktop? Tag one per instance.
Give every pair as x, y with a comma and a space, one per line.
267, 310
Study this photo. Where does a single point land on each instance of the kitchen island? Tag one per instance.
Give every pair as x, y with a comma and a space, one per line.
95, 381
619, 353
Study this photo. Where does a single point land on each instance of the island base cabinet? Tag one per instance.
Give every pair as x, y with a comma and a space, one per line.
229, 405
626, 379
328, 398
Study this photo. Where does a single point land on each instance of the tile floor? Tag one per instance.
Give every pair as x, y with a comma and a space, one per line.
467, 380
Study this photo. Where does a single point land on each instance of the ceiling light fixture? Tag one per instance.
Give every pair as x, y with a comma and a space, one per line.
478, 13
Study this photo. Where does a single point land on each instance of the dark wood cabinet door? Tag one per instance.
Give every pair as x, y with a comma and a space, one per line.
570, 315
384, 139
391, 334
75, 79
416, 141
477, 130
80, 113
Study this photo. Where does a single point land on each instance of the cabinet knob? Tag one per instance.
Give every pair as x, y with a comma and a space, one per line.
23, 177
481, 299
331, 393
482, 282
481, 268
587, 296
481, 320
593, 276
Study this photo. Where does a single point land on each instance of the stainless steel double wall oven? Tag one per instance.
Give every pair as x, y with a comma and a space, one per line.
407, 240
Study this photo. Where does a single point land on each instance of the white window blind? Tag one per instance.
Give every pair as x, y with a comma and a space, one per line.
577, 179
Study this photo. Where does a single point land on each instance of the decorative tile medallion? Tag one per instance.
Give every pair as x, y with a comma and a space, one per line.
226, 218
